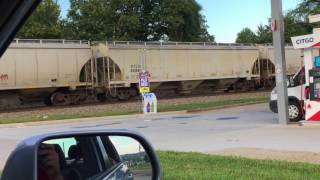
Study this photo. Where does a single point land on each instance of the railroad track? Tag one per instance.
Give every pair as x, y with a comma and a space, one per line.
39, 106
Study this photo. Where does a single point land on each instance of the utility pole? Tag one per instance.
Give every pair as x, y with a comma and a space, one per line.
279, 55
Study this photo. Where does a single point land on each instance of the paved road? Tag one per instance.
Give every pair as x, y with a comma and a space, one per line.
251, 126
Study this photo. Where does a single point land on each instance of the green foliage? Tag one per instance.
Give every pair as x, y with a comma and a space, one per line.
296, 20
90, 20
261, 36
137, 20
44, 22
264, 34
127, 20
295, 27
295, 24
246, 35
181, 21
305, 9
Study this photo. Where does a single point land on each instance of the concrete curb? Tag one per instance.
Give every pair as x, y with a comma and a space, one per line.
309, 123
64, 121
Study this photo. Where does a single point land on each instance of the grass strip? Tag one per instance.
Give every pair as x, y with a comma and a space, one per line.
192, 106
197, 166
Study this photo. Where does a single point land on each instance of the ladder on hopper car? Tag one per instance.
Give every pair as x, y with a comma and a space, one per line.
106, 72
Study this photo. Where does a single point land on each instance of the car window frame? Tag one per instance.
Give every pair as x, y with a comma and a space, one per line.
103, 154
108, 143
97, 153
93, 149
101, 148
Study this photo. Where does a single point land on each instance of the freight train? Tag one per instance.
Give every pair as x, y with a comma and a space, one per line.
61, 72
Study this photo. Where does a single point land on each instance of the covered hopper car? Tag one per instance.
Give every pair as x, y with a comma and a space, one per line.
60, 72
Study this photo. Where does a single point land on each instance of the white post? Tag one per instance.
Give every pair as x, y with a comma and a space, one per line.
279, 54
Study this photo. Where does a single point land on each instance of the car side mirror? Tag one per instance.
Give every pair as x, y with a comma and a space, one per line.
118, 154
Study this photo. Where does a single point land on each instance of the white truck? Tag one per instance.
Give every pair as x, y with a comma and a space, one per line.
296, 95
304, 86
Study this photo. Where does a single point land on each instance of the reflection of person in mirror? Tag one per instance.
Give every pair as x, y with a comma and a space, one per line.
48, 165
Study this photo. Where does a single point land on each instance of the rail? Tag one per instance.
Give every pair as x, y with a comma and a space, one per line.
51, 41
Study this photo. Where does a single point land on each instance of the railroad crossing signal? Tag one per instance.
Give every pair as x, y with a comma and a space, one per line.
144, 82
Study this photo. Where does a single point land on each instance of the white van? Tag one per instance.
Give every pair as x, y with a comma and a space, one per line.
296, 95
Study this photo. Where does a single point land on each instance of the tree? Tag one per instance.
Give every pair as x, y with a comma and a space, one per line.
264, 34
292, 27
205, 35
43, 23
91, 20
111, 19
246, 35
305, 9
136, 20
151, 20
182, 21
295, 22
295, 27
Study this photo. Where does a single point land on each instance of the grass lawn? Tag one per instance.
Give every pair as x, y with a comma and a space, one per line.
177, 165
193, 106
197, 166
161, 108
57, 116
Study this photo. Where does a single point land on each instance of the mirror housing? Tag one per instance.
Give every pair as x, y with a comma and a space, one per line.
25, 156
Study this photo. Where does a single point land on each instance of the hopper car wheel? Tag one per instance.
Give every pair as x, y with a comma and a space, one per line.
59, 99
238, 87
123, 94
47, 101
78, 98
102, 97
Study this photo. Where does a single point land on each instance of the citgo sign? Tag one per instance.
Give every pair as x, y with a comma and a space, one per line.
300, 42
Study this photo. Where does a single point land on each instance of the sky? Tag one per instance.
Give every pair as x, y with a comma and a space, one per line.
225, 20
228, 17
